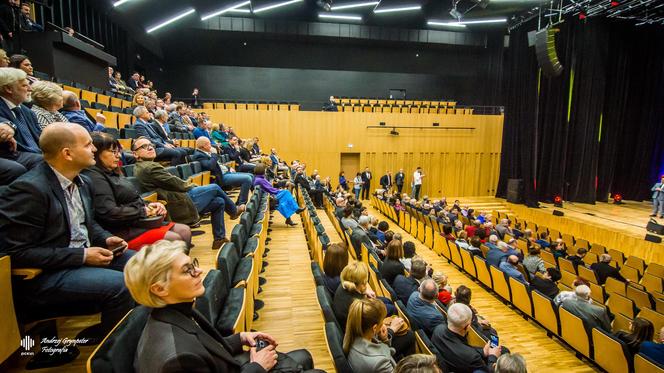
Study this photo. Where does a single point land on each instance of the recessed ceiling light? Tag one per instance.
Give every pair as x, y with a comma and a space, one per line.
224, 10
398, 9
446, 24
340, 16
171, 20
277, 5
354, 5
120, 2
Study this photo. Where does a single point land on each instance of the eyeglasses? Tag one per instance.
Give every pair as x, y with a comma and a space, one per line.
145, 146
191, 268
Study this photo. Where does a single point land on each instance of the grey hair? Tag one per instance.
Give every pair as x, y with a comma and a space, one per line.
493, 238
503, 246
582, 291
458, 315
510, 363
364, 220
605, 258
10, 76
161, 114
429, 289
45, 93
140, 110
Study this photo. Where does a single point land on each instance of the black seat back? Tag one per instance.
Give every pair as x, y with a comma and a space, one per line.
239, 237
335, 344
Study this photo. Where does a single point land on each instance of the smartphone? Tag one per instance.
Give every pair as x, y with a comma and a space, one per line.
493, 341
120, 248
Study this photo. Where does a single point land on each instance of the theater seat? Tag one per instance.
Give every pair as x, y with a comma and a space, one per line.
223, 306
611, 353
619, 304
325, 303
9, 330
334, 338
483, 273
573, 331
500, 285
239, 271
117, 351
545, 312
521, 296
643, 364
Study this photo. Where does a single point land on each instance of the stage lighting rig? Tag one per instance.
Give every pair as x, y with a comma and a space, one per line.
326, 5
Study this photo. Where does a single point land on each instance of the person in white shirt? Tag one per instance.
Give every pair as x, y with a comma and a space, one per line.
417, 182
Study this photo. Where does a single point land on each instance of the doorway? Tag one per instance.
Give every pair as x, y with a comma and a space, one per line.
350, 165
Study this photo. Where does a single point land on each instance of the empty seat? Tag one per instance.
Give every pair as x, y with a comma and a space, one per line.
588, 274
521, 296
500, 285
643, 364
223, 306
619, 304
573, 331
545, 312
614, 286
483, 273
613, 354
641, 298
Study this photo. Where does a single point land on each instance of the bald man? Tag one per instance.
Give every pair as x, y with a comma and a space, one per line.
71, 109
223, 176
47, 222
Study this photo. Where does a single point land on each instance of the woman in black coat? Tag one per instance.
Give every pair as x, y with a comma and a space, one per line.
392, 265
118, 206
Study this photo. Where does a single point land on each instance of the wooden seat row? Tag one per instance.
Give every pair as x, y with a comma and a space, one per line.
252, 106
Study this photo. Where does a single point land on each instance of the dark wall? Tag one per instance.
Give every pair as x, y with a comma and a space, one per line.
312, 70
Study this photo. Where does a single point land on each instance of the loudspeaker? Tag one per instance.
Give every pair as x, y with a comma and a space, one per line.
515, 190
545, 49
558, 213
653, 238
655, 227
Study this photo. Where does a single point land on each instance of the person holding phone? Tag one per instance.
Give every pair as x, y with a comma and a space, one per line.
47, 222
164, 278
450, 340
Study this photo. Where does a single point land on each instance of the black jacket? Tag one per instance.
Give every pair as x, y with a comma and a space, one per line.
9, 20
34, 221
234, 154
604, 270
178, 338
117, 203
404, 287
208, 162
302, 181
399, 178
546, 287
391, 269
358, 237
458, 355
341, 304
386, 181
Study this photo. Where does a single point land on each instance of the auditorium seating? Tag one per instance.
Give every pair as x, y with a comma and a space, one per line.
606, 351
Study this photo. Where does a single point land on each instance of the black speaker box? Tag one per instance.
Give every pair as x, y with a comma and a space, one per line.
558, 213
655, 227
515, 190
545, 49
653, 238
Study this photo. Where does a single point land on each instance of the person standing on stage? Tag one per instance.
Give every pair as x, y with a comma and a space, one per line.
366, 183
417, 182
658, 198
399, 179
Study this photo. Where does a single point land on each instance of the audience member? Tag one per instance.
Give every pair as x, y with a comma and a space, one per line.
19, 129
71, 109
366, 182
392, 266
463, 295
348, 221
450, 340
164, 150
543, 240
493, 242
510, 268
504, 227
46, 101
386, 181
533, 263
81, 272
408, 253
404, 286
165, 279
233, 151
474, 246
444, 290
547, 283
27, 23
582, 307
603, 269
578, 258
185, 200
4, 60
654, 351
367, 338
461, 240
119, 208
421, 306
360, 237
564, 295
20, 61
10, 25
510, 363
496, 256
418, 363
640, 330
399, 179
335, 260
286, 203
134, 81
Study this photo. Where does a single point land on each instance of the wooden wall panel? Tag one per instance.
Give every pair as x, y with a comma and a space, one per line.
456, 162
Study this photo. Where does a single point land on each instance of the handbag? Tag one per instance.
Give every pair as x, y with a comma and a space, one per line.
149, 223
402, 330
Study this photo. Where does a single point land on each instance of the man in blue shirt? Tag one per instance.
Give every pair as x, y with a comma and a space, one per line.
510, 269
71, 109
543, 240
421, 306
496, 256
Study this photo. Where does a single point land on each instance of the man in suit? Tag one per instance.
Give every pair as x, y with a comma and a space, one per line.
592, 316
71, 109
366, 183
165, 150
134, 81
331, 105
233, 151
386, 181
603, 269
19, 129
547, 283
453, 345
281, 166
658, 198
223, 177
399, 179
406, 286
185, 200
510, 268
496, 256
47, 222
421, 306
360, 236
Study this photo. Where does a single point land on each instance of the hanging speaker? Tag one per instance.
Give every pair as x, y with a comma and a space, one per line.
545, 49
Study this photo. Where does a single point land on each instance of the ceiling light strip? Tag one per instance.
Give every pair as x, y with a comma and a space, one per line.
399, 9
477, 21
446, 24
171, 20
224, 10
340, 16
277, 5
120, 2
354, 5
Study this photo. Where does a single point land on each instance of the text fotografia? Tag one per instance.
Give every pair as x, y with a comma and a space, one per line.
50, 346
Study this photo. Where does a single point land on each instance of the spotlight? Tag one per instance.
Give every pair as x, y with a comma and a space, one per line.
617, 199
558, 201
326, 5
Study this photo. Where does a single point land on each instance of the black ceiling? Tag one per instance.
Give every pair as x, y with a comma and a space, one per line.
147, 13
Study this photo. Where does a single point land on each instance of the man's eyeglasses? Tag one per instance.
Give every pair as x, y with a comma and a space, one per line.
191, 268
145, 146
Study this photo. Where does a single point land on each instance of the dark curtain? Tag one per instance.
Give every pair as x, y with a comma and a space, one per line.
597, 128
